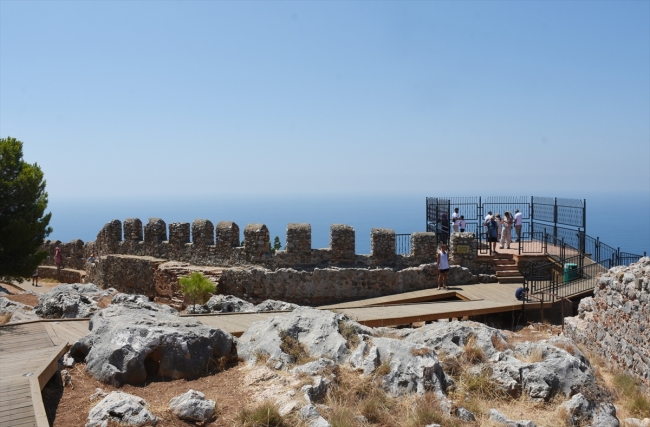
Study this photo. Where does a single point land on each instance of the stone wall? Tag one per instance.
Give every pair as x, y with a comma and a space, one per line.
73, 253
615, 322
158, 279
196, 244
126, 273
462, 250
63, 275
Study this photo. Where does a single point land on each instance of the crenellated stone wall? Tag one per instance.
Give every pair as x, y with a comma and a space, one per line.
196, 243
615, 322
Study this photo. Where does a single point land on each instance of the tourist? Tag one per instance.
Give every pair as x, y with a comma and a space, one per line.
91, 258
443, 266
521, 293
58, 259
35, 277
455, 219
499, 221
518, 222
506, 230
488, 218
493, 233
462, 223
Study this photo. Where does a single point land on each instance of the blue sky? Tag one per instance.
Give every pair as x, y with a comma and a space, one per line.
123, 99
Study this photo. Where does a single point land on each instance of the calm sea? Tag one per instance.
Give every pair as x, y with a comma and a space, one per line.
620, 220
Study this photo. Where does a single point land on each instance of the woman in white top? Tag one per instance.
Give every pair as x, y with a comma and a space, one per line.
443, 266
506, 230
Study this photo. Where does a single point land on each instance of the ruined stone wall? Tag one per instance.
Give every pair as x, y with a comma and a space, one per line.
158, 279
197, 244
615, 322
73, 253
63, 275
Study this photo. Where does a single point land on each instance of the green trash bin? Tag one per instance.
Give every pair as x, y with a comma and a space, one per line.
570, 272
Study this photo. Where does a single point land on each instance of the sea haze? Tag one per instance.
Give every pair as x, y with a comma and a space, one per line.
620, 220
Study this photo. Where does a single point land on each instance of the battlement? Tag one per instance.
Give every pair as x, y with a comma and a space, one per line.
201, 243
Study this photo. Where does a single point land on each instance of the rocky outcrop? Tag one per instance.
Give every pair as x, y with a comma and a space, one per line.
581, 411
222, 304
192, 406
499, 419
16, 311
70, 301
452, 337
316, 331
121, 408
132, 341
615, 322
542, 370
273, 305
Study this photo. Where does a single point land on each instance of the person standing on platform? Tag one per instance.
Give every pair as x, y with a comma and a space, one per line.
462, 223
455, 219
506, 230
493, 233
499, 221
35, 277
519, 220
488, 218
443, 266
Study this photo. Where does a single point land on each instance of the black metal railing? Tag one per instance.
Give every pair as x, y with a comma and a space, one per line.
402, 244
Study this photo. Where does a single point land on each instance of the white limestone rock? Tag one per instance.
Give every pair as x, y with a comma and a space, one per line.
192, 406
123, 408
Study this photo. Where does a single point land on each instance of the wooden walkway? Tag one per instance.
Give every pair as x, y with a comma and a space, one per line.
29, 354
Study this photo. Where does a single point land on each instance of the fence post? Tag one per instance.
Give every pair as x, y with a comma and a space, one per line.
555, 218
597, 249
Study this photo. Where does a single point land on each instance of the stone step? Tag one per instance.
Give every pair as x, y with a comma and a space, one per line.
508, 273
511, 279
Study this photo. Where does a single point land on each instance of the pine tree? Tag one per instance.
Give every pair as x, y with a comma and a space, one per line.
23, 222
197, 287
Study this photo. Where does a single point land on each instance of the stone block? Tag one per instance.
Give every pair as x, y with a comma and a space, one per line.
133, 229
382, 244
299, 239
256, 240
155, 231
424, 245
111, 232
227, 235
179, 233
202, 232
342, 241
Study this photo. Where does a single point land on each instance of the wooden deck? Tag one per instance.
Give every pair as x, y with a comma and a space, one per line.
29, 354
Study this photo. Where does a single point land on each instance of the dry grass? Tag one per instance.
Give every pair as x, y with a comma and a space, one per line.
225, 388
265, 414
349, 333
569, 348
261, 356
473, 353
5, 318
417, 352
359, 401
535, 356
631, 396
383, 369
294, 349
498, 343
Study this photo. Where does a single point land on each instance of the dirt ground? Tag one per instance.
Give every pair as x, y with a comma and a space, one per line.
24, 298
70, 408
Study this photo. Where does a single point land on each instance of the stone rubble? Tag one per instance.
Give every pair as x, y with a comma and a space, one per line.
70, 301
121, 408
192, 406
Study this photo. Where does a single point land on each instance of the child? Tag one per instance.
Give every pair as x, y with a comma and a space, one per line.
462, 223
